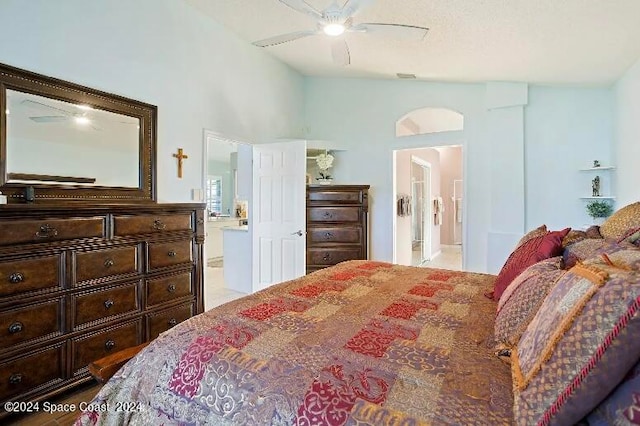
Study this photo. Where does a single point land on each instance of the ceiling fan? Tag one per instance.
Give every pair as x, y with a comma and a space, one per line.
60, 114
334, 21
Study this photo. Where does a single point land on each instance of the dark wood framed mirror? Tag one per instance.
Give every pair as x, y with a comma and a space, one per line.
73, 143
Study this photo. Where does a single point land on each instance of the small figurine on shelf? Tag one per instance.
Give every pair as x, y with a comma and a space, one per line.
596, 163
595, 186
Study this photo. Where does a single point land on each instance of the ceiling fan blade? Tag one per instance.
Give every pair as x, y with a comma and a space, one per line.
340, 52
283, 38
41, 106
353, 7
49, 119
397, 31
303, 7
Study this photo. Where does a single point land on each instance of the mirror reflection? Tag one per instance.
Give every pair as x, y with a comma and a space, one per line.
53, 141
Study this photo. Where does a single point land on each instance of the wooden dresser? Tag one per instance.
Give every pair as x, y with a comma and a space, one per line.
336, 224
80, 282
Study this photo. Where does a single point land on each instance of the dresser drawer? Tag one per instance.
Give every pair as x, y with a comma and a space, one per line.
148, 224
164, 320
19, 276
168, 254
101, 304
104, 263
166, 288
95, 346
331, 256
333, 214
26, 323
45, 230
334, 235
32, 370
354, 196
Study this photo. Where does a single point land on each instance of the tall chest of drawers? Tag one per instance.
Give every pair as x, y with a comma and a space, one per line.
336, 224
79, 283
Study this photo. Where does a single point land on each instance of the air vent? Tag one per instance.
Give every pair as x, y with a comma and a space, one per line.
406, 76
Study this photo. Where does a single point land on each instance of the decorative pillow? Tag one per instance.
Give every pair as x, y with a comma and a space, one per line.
547, 265
593, 232
619, 223
538, 232
573, 237
627, 257
622, 407
532, 251
520, 305
578, 347
588, 248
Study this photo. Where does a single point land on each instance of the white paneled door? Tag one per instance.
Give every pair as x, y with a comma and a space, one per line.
279, 210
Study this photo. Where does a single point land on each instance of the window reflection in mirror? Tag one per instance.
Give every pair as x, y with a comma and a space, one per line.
52, 140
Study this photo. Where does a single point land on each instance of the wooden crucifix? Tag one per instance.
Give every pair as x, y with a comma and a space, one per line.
180, 156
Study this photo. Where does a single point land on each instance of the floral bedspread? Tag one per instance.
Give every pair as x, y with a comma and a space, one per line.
358, 343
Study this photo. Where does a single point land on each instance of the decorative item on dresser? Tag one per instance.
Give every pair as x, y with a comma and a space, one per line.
78, 283
336, 224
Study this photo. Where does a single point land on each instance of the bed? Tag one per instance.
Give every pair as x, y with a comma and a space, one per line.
362, 342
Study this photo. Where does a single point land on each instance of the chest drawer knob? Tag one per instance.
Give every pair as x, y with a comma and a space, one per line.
171, 288
172, 253
47, 231
327, 256
108, 303
109, 344
328, 235
15, 378
109, 263
16, 277
172, 322
16, 327
327, 215
158, 225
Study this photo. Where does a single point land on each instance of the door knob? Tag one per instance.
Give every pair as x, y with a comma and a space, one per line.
298, 233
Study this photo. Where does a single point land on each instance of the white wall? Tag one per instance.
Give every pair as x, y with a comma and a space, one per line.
627, 131
450, 170
165, 53
566, 129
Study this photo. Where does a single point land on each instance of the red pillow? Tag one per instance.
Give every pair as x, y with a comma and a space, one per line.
532, 251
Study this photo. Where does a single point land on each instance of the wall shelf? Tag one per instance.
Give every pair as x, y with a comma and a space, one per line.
598, 198
592, 169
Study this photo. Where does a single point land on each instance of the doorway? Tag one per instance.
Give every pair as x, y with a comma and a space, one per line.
420, 211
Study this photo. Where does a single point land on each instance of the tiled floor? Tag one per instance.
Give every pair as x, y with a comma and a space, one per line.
450, 257
215, 292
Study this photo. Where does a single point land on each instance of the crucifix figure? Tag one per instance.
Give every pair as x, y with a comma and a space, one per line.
180, 156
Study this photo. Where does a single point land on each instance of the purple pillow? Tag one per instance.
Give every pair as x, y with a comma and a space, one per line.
622, 406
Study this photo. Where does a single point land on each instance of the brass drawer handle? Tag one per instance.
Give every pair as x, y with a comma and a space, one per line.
109, 263
108, 303
47, 231
172, 253
171, 288
16, 327
15, 378
109, 344
327, 215
327, 256
328, 235
16, 277
158, 225
172, 322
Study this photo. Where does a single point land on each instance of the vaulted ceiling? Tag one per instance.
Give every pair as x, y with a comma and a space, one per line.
581, 42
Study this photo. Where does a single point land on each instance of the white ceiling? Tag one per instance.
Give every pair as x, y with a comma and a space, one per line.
579, 42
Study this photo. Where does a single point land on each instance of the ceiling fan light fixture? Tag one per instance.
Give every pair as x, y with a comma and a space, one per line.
333, 29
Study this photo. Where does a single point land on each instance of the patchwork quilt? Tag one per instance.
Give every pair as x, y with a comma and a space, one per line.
359, 343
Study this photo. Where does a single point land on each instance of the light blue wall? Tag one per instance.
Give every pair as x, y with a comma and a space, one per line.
223, 169
166, 53
627, 131
565, 130
560, 129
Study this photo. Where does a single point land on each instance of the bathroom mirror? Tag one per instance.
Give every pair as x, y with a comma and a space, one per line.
73, 143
